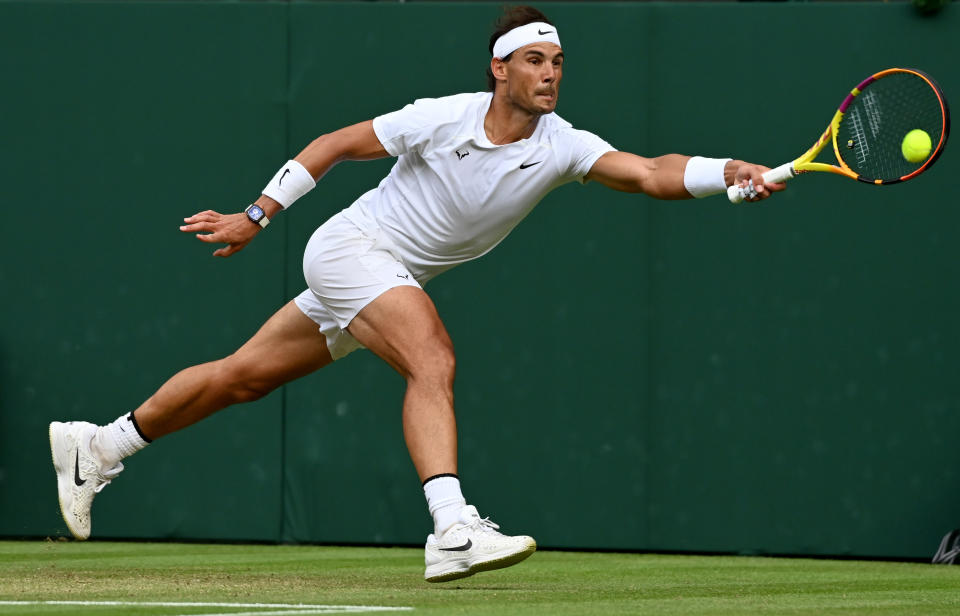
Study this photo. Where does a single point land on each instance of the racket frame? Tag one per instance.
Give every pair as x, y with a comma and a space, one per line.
806, 162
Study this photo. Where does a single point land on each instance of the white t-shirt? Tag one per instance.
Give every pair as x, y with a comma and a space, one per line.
453, 195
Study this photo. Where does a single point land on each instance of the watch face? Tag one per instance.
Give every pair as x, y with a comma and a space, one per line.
255, 213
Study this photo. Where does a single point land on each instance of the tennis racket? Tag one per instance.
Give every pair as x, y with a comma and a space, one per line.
868, 132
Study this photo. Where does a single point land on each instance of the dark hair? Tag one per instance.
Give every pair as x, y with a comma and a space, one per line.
512, 17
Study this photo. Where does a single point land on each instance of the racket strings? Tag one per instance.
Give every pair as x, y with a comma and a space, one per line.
871, 133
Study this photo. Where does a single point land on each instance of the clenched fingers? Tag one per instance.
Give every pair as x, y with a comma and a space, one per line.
750, 179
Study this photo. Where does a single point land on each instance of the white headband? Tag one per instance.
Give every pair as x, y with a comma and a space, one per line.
537, 32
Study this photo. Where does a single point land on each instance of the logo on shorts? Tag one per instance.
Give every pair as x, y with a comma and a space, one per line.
404, 276
461, 155
528, 165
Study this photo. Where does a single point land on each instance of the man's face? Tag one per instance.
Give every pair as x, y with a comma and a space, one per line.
533, 77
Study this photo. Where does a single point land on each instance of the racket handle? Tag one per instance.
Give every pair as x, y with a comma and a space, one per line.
776, 175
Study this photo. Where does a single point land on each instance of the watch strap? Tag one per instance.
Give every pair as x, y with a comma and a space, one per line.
263, 221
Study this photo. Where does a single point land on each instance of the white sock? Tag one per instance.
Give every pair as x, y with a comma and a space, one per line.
115, 441
444, 500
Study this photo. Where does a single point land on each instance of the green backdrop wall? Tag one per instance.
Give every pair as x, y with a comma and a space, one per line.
633, 374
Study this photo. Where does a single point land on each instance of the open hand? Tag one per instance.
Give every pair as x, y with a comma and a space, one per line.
234, 230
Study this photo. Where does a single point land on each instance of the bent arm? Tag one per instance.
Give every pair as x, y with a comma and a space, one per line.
357, 142
662, 177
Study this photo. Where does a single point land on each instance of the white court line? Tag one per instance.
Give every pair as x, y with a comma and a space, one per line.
286, 609
332, 610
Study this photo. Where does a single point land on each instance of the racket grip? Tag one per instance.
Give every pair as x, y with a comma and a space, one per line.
776, 175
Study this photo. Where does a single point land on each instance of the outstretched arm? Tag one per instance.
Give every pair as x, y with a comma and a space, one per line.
662, 177
357, 142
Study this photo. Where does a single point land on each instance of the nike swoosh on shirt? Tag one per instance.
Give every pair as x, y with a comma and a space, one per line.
460, 548
528, 165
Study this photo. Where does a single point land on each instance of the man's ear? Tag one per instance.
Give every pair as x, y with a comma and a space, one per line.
499, 69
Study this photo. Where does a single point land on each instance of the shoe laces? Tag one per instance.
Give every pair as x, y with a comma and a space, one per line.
484, 524
105, 477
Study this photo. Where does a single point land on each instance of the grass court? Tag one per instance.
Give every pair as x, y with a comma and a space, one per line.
99, 578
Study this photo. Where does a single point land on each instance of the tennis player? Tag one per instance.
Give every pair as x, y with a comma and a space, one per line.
469, 168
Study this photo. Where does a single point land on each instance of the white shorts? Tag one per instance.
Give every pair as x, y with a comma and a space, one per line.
346, 268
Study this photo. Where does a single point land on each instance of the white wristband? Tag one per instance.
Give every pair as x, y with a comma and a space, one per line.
289, 184
704, 176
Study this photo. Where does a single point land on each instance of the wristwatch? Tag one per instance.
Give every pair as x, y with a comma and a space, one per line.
256, 214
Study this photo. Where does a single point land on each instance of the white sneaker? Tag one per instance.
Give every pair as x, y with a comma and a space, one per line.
79, 475
472, 545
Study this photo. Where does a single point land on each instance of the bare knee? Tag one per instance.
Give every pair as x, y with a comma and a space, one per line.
241, 382
435, 363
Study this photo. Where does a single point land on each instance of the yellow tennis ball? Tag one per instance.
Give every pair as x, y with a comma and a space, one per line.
916, 146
